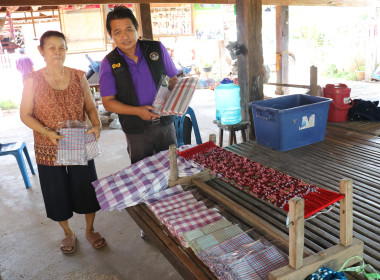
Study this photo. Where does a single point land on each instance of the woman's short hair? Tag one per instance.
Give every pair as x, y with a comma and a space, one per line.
120, 12
51, 33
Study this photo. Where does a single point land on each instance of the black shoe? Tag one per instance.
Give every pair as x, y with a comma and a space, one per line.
143, 235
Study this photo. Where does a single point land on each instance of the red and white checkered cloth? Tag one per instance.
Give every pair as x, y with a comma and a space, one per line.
71, 148
177, 213
92, 146
172, 202
193, 221
177, 101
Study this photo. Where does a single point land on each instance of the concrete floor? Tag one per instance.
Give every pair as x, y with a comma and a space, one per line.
29, 242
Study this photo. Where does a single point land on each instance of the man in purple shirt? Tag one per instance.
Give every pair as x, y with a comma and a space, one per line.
24, 64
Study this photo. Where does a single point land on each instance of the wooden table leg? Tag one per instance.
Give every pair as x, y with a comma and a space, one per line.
220, 137
231, 138
243, 135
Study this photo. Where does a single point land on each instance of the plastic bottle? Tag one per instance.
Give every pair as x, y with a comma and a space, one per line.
227, 101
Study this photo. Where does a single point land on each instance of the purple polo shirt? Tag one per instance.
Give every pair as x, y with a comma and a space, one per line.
24, 64
143, 82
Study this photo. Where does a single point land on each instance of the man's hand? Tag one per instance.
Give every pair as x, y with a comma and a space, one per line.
144, 112
172, 82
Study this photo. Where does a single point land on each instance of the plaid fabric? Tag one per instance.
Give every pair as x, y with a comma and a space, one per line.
182, 211
257, 265
172, 202
214, 238
92, 146
71, 148
163, 194
180, 97
193, 234
139, 181
193, 221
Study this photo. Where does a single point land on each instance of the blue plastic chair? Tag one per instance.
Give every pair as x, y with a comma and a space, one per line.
178, 122
16, 149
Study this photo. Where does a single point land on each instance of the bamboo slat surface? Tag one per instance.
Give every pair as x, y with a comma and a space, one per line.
343, 153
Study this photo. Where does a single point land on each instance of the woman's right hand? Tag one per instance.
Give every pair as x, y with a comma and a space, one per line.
53, 136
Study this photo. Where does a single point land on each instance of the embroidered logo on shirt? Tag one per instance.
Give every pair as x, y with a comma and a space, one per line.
154, 56
116, 65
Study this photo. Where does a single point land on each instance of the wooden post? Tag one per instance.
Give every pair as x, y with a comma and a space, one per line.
144, 20
313, 80
250, 62
173, 165
212, 138
346, 212
282, 46
296, 232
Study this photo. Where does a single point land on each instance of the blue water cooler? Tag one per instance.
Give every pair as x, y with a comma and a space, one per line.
227, 101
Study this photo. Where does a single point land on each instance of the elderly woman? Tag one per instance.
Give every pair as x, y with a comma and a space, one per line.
53, 95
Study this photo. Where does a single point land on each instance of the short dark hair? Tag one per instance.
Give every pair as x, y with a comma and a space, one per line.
51, 33
120, 12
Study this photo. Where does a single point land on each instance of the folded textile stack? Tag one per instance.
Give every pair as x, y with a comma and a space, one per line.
77, 147
242, 258
139, 182
182, 211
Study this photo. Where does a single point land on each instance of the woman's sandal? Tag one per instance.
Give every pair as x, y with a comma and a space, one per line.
94, 238
68, 242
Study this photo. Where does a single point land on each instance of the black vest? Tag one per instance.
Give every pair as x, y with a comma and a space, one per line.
125, 90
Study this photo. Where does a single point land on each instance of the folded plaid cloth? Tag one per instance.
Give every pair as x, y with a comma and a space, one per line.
214, 238
139, 181
71, 148
172, 202
92, 146
182, 211
193, 234
163, 194
257, 265
159, 101
193, 221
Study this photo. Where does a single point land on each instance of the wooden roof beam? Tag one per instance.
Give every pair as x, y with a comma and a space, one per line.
338, 3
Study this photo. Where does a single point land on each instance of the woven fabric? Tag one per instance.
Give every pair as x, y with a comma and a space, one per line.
193, 234
180, 97
159, 101
139, 181
92, 147
325, 273
214, 238
179, 212
163, 194
172, 202
260, 181
257, 265
71, 148
193, 221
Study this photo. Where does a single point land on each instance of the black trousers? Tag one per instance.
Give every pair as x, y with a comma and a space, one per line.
68, 189
157, 138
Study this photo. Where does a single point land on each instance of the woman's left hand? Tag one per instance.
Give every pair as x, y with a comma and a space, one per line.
96, 130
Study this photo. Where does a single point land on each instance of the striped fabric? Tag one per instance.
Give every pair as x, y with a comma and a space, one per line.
214, 238
177, 101
71, 148
193, 234
257, 265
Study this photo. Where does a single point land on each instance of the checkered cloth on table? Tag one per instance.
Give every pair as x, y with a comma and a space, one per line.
71, 148
257, 265
172, 202
163, 194
182, 211
193, 221
193, 234
177, 101
214, 238
139, 181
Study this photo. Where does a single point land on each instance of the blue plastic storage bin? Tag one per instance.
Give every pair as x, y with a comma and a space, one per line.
288, 122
